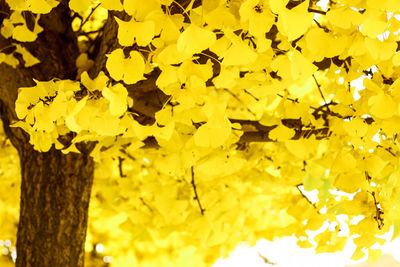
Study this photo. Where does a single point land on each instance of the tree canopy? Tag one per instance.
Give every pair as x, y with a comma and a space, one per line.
209, 121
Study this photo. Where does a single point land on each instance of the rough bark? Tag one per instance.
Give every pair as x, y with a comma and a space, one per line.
55, 193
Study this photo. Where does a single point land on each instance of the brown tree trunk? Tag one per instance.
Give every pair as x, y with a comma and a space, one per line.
55, 188
55, 193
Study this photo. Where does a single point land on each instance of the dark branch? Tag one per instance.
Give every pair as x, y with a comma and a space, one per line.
121, 174
305, 197
378, 212
196, 196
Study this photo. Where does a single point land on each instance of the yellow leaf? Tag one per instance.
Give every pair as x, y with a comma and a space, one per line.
130, 70
304, 243
295, 22
351, 182
278, 6
112, 4
167, 76
358, 254
380, 50
42, 141
281, 133
258, 22
219, 164
171, 55
9, 59
212, 134
73, 109
80, 5
195, 39
383, 106
35, 6
23, 34
139, 9
239, 54
372, 27
301, 68
97, 83
27, 56
356, 127
118, 97
343, 17
131, 31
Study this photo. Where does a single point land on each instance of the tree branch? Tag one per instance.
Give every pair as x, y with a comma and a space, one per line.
196, 196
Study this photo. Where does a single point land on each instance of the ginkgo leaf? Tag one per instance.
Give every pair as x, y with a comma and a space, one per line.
23, 34
239, 54
80, 5
212, 134
281, 133
140, 9
28, 96
43, 118
171, 55
296, 21
380, 50
301, 68
112, 5
35, 6
195, 39
73, 109
97, 83
372, 27
259, 22
383, 106
219, 164
130, 70
278, 6
29, 59
131, 31
168, 76
118, 97
9, 59
42, 141
7, 28
343, 17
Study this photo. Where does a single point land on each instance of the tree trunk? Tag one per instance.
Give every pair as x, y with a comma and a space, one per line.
55, 193
55, 188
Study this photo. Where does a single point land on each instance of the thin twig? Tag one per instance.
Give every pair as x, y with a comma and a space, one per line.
319, 89
5, 13
320, 26
127, 154
305, 197
120, 160
250, 94
388, 149
7, 46
317, 11
378, 212
290, 99
145, 204
88, 17
196, 196
265, 259
240, 101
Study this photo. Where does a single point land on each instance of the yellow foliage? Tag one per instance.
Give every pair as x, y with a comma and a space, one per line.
244, 107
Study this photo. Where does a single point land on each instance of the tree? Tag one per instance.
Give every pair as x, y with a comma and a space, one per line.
210, 119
